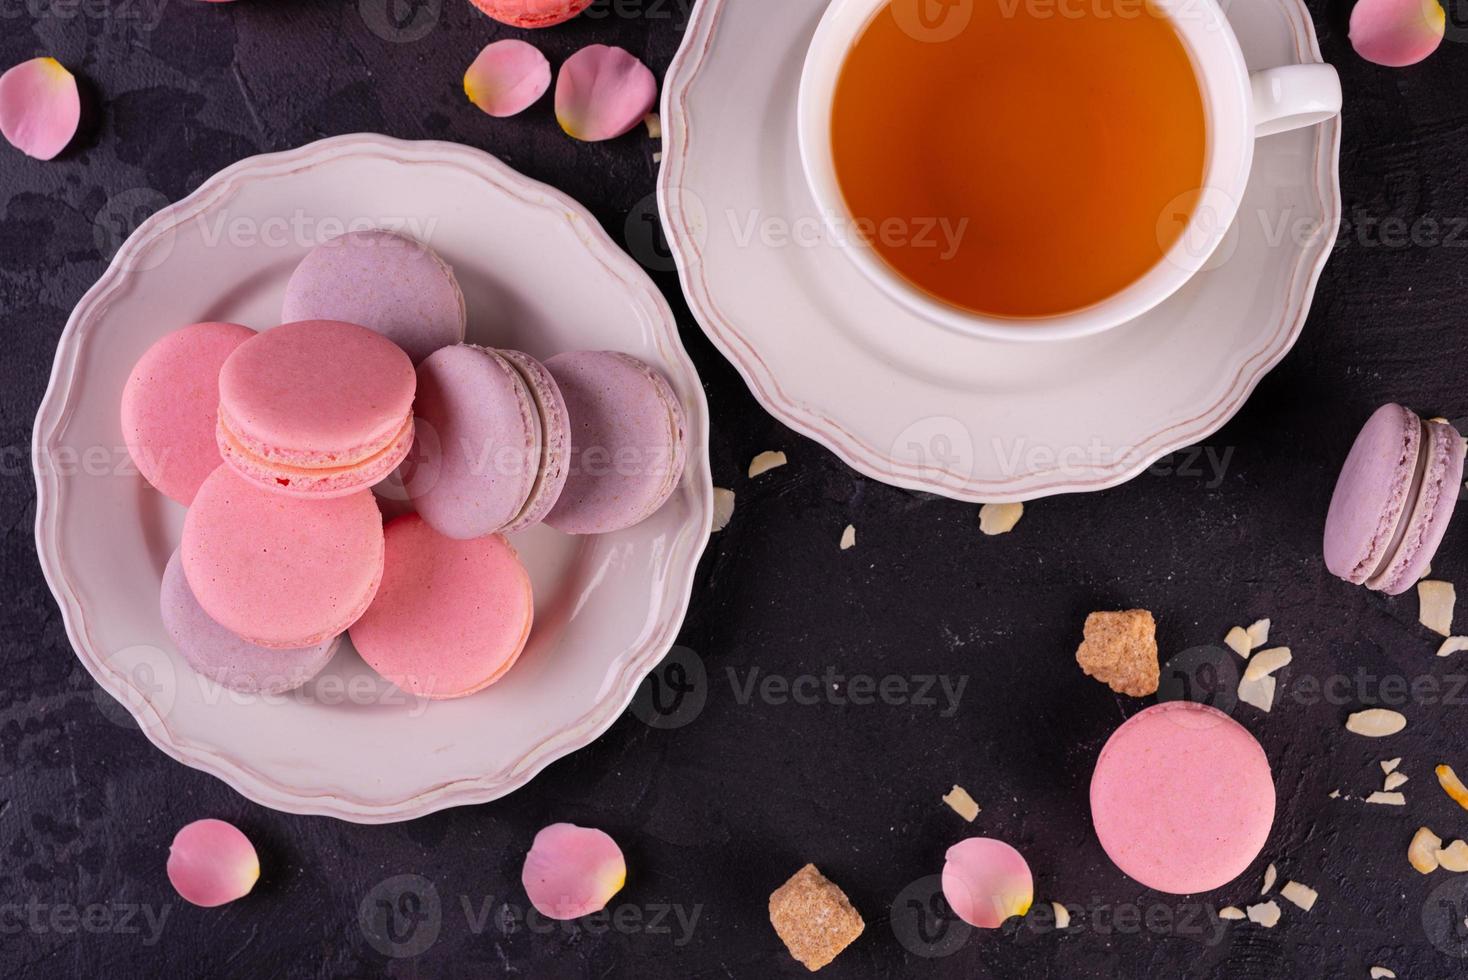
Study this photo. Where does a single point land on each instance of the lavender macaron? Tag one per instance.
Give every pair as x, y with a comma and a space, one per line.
225, 658
1394, 500
628, 441
385, 282
493, 440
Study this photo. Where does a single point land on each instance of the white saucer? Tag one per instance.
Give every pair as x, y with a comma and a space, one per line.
910, 403
539, 274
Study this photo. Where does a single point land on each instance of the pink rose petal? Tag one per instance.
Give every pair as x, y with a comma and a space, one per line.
986, 881
602, 93
40, 107
572, 871
211, 863
1396, 33
507, 78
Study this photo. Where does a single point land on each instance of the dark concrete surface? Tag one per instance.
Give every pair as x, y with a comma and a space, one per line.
718, 810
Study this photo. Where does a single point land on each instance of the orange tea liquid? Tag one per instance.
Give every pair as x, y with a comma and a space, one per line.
1039, 161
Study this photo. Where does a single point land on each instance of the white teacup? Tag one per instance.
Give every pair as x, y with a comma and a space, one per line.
1240, 107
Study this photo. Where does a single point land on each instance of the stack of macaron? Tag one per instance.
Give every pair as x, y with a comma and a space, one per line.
274, 441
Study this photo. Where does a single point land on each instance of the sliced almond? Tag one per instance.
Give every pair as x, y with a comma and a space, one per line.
1238, 641
1389, 766
1335, 794
1435, 601
1452, 645
1387, 799
1231, 913
654, 124
962, 803
1062, 915
1422, 852
1259, 693
765, 462
1271, 875
1454, 857
1452, 785
1376, 723
848, 538
1266, 662
999, 518
1302, 896
1258, 633
1265, 914
723, 508
1395, 780
1382, 973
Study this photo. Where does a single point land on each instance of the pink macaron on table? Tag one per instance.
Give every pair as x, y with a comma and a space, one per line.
223, 628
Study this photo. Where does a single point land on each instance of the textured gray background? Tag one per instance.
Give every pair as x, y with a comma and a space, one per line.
717, 812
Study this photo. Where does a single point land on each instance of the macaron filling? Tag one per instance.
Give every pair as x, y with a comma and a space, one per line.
1441, 453
320, 475
1399, 515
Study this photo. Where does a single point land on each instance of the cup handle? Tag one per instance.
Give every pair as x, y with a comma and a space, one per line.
1293, 97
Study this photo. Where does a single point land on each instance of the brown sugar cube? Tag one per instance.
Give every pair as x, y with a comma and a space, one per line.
1120, 650
813, 918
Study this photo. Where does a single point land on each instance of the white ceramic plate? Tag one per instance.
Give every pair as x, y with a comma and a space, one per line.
538, 274
910, 403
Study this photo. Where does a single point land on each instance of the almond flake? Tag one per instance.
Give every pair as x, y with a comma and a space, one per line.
1376, 723
1382, 973
1435, 602
1422, 852
1231, 913
1302, 896
1259, 693
1266, 662
1452, 785
962, 803
1387, 799
654, 124
723, 508
1238, 641
1258, 633
1265, 914
999, 518
848, 538
1454, 857
765, 462
1452, 645
1335, 794
1062, 915
1395, 780
1271, 875
1389, 766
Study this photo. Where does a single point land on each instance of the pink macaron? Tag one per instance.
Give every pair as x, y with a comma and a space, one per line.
532, 13
452, 615
169, 406
628, 441
1182, 798
385, 282
277, 570
491, 451
319, 408
228, 659
1394, 500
